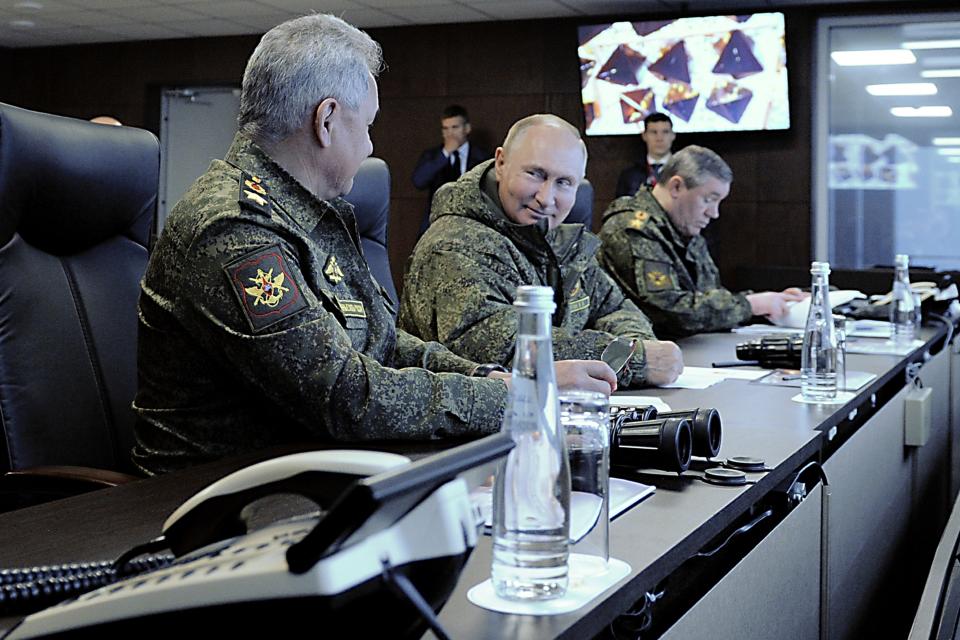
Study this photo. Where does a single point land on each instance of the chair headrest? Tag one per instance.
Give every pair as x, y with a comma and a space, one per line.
68, 184
582, 211
370, 197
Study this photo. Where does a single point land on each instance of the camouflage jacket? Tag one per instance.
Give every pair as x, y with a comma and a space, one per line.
463, 275
672, 278
260, 324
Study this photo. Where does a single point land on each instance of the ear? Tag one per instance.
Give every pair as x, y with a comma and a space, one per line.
675, 186
498, 162
326, 112
466, 129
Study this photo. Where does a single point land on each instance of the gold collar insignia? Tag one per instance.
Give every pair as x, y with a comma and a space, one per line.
332, 270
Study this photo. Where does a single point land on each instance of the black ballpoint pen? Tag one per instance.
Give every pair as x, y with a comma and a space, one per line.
735, 363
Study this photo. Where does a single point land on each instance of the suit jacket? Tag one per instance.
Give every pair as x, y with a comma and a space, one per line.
633, 177
434, 170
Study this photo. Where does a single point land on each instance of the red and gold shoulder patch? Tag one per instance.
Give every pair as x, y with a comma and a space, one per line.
254, 193
657, 275
267, 291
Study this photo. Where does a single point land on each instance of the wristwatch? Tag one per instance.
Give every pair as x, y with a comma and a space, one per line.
484, 370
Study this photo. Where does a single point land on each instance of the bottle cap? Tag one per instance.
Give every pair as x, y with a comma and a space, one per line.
820, 268
902, 260
535, 299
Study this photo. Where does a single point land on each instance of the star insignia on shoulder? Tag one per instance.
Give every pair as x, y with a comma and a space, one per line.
254, 185
254, 193
250, 195
639, 218
332, 270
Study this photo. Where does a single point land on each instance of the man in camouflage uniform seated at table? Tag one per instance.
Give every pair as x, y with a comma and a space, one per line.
500, 226
653, 248
260, 322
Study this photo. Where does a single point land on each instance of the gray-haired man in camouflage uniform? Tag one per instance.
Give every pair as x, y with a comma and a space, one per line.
260, 322
653, 248
498, 227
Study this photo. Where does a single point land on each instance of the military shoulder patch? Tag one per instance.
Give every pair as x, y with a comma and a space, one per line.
638, 219
263, 284
254, 194
657, 275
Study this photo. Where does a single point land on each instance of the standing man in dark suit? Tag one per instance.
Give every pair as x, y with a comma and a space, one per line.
658, 137
440, 165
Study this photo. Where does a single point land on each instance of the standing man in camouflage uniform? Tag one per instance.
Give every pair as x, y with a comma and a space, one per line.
653, 248
260, 322
500, 226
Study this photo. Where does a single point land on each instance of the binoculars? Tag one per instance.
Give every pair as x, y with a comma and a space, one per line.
773, 352
640, 437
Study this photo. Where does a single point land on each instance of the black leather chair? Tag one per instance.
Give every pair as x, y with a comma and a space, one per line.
370, 197
582, 212
77, 203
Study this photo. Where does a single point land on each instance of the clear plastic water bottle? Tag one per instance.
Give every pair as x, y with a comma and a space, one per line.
531, 494
840, 327
818, 368
903, 305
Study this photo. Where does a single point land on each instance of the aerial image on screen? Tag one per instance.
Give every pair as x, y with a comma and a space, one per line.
719, 73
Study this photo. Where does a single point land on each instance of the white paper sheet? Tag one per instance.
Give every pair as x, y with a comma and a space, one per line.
868, 329
881, 347
703, 377
639, 401
584, 507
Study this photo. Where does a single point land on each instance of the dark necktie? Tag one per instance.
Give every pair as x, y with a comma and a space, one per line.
455, 162
656, 169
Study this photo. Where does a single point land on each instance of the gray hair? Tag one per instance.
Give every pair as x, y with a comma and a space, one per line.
548, 119
695, 164
297, 65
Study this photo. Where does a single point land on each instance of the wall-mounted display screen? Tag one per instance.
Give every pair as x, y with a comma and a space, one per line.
718, 73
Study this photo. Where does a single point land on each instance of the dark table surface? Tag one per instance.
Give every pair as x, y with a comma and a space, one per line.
654, 537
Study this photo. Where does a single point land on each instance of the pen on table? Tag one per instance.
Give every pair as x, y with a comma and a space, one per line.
735, 363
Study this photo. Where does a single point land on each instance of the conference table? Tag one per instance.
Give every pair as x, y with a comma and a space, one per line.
809, 548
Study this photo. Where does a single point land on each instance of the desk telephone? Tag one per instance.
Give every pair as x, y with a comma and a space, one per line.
382, 558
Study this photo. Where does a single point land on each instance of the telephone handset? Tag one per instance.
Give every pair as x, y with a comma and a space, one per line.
367, 563
213, 513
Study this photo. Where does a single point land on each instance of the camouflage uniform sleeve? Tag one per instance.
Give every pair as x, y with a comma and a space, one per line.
463, 299
645, 273
304, 361
680, 311
468, 296
613, 313
411, 351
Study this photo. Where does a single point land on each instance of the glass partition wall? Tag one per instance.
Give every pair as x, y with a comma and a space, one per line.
887, 141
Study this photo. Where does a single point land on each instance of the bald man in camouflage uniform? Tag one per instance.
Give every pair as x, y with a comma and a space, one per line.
260, 322
499, 227
653, 248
